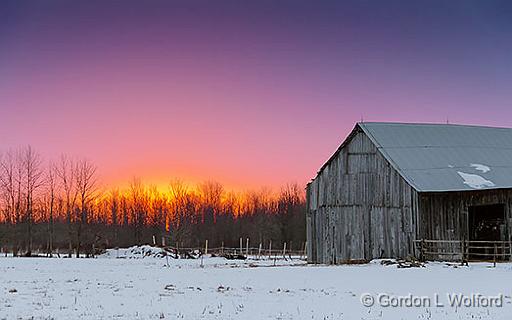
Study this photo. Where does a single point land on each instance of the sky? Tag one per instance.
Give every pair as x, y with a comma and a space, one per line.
247, 93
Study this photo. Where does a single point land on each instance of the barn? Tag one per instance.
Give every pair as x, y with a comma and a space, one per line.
394, 190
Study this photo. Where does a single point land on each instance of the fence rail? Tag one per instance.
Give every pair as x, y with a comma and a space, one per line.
284, 250
251, 252
464, 250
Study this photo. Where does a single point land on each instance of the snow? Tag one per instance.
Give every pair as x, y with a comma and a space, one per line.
475, 181
135, 252
480, 167
160, 288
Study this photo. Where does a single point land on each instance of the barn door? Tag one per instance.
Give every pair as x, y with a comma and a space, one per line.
486, 223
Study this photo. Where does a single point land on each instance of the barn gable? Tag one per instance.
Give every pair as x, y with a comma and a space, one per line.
359, 207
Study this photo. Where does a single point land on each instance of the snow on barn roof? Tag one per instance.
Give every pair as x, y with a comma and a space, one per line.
446, 157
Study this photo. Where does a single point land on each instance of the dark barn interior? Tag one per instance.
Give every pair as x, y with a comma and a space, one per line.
486, 225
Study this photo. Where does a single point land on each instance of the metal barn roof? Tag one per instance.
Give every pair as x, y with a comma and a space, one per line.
446, 157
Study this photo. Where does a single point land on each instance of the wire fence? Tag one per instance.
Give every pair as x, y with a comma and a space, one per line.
256, 253
267, 250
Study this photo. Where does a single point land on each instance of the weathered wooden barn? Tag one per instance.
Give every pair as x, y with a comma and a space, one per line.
396, 190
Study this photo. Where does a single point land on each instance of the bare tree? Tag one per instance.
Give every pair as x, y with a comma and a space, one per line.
180, 220
10, 182
138, 198
157, 211
33, 179
8, 185
114, 206
211, 196
50, 197
65, 171
291, 212
86, 184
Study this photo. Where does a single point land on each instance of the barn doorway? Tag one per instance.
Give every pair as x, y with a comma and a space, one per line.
486, 223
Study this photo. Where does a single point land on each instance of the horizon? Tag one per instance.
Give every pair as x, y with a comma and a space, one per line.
252, 96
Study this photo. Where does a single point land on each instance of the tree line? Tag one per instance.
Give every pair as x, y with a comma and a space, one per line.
59, 205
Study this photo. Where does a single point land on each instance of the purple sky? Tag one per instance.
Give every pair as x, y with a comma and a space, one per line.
249, 94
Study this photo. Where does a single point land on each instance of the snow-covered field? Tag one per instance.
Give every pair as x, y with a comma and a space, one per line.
150, 288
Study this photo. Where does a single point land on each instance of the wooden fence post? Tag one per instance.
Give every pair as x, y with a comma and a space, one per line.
422, 248
241, 248
206, 247
495, 253
466, 251
247, 248
503, 251
259, 251
284, 250
462, 246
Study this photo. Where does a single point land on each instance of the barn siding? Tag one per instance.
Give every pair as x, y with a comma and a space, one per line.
359, 207
444, 216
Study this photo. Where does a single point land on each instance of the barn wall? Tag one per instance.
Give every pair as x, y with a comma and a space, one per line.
359, 207
444, 216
